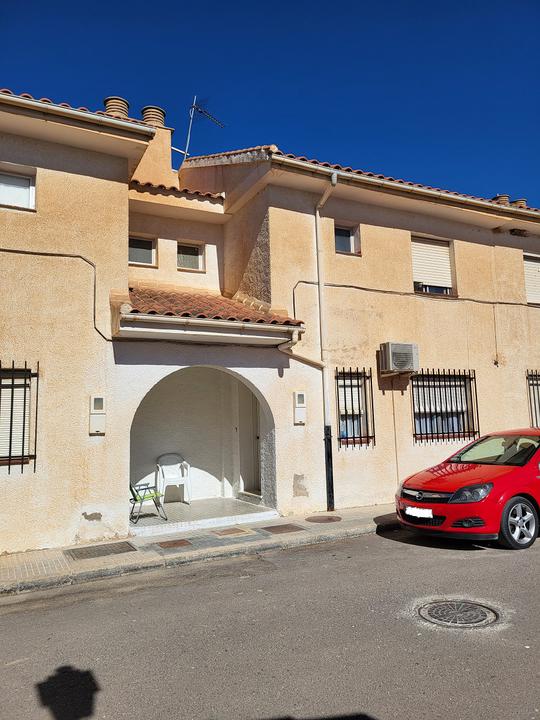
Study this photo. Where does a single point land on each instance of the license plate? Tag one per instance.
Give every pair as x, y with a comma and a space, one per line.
419, 512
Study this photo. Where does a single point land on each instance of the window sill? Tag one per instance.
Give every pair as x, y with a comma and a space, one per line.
192, 270
18, 207
143, 265
442, 296
364, 441
446, 437
348, 254
4, 461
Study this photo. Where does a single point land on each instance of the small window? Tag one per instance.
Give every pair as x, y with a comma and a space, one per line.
445, 406
141, 252
347, 240
533, 385
355, 407
432, 267
532, 278
17, 191
18, 411
190, 257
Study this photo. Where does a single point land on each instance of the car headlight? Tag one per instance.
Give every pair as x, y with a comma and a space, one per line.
471, 493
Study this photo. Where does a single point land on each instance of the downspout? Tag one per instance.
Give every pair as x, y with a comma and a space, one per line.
329, 465
286, 349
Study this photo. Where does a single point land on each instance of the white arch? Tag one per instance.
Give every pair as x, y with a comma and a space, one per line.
214, 410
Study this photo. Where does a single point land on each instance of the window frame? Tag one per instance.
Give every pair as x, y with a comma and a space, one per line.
530, 257
354, 238
361, 394
17, 377
27, 174
153, 242
444, 391
421, 288
201, 247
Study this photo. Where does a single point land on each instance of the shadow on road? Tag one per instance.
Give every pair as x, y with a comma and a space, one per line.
68, 693
409, 537
355, 716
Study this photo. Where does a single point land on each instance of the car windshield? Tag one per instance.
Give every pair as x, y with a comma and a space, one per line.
500, 450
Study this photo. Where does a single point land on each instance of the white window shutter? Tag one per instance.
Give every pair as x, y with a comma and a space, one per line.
532, 278
432, 264
351, 399
21, 414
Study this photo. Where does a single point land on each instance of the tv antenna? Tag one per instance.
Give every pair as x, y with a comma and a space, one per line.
196, 108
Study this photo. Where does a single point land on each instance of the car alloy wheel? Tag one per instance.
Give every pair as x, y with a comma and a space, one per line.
519, 526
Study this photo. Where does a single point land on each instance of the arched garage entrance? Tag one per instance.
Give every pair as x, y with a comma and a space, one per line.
222, 427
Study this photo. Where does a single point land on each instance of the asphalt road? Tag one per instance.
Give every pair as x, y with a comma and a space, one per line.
314, 632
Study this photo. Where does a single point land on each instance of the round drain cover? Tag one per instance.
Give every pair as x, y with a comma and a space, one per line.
458, 613
323, 518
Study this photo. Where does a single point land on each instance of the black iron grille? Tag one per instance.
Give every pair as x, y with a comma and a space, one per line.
18, 415
355, 407
533, 385
445, 405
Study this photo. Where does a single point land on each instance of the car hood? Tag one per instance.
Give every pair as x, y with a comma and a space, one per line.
449, 477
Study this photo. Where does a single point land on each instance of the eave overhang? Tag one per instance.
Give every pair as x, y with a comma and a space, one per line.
198, 330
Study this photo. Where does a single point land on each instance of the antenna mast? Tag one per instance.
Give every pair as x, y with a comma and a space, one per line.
202, 111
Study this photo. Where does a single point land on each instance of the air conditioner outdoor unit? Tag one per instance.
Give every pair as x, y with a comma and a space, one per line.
399, 358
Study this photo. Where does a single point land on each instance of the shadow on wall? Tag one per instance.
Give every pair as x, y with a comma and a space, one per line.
69, 693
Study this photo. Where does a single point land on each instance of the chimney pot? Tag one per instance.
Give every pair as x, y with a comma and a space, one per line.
116, 106
153, 115
520, 203
502, 199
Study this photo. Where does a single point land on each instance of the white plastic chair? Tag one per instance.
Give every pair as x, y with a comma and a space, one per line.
172, 469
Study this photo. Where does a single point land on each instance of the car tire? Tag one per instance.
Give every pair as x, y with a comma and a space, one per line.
519, 524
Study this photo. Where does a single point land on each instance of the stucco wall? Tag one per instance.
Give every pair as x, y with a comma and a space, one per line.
168, 232
488, 328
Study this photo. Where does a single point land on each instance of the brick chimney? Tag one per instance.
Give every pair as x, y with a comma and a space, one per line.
116, 106
519, 203
502, 199
153, 115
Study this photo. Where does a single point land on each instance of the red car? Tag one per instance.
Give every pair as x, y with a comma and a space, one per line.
490, 490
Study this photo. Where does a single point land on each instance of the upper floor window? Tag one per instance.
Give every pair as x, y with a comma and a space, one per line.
445, 406
432, 267
142, 251
532, 278
347, 240
17, 190
190, 257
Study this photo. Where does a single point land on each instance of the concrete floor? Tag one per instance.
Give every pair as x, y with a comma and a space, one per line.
209, 512
314, 632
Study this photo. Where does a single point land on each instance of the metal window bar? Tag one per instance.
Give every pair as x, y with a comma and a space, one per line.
533, 385
354, 391
17, 419
445, 405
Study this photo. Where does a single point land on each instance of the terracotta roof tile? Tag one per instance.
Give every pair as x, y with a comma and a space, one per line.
47, 101
190, 303
135, 184
274, 150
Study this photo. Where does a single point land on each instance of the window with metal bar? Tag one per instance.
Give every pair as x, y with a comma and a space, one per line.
533, 385
445, 405
354, 392
18, 415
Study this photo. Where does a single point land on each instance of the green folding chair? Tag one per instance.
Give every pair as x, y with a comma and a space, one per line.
141, 494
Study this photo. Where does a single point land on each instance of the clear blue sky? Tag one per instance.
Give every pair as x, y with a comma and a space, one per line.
446, 94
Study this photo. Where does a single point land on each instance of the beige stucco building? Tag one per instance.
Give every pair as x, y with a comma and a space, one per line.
233, 312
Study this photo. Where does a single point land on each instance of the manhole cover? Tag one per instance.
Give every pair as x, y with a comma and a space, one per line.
458, 613
323, 518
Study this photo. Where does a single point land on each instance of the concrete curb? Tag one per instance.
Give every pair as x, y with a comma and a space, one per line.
188, 557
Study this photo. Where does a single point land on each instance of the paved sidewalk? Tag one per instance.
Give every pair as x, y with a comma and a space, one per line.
44, 569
